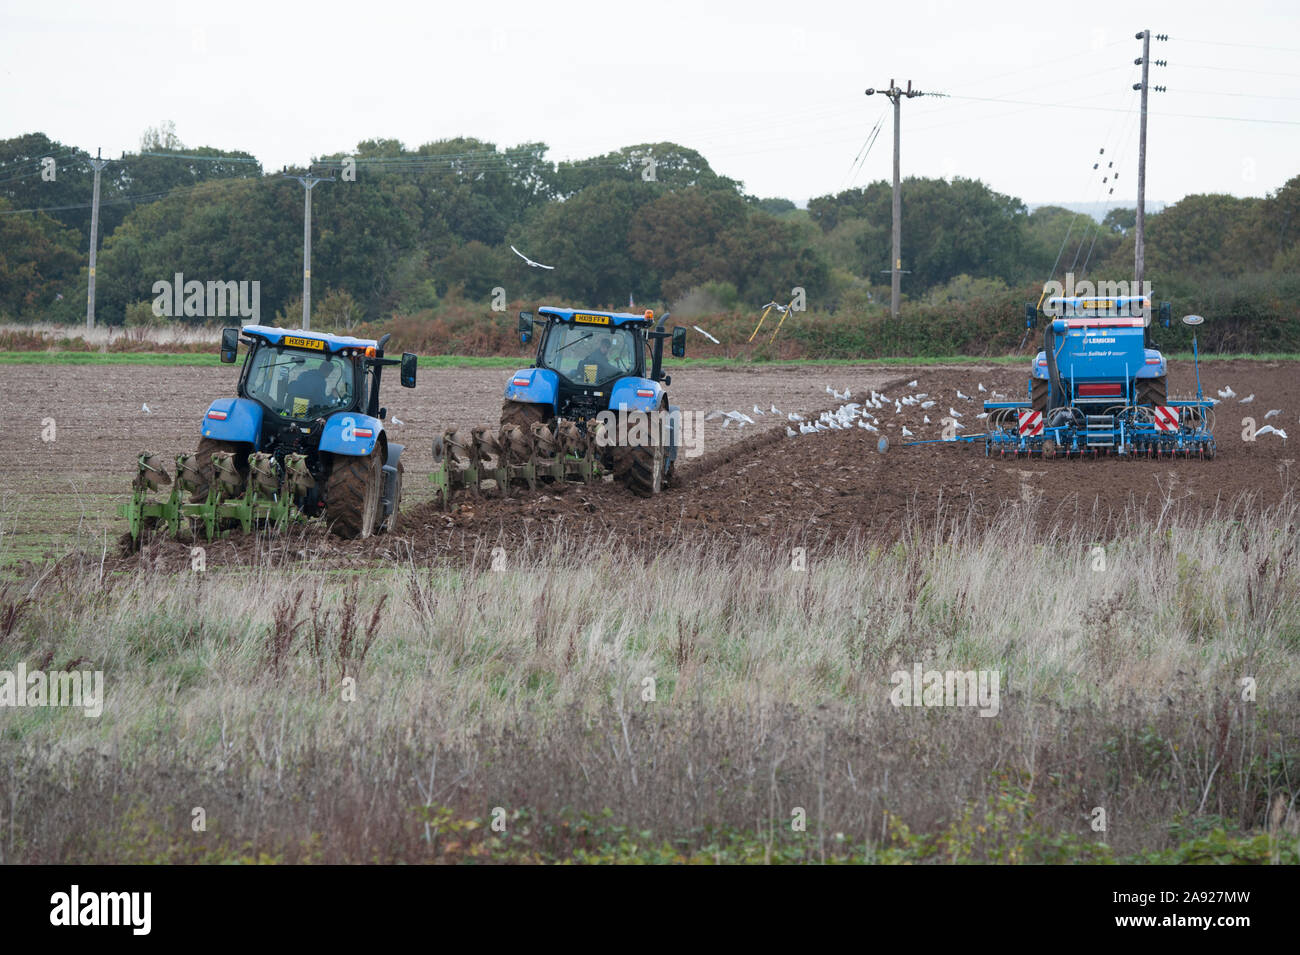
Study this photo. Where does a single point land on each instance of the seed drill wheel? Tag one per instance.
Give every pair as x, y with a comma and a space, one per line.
353, 495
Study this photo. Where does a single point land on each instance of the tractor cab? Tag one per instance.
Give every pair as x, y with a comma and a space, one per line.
1095, 351
595, 378
586, 357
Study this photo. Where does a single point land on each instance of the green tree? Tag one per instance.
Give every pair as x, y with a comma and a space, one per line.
38, 263
678, 236
586, 239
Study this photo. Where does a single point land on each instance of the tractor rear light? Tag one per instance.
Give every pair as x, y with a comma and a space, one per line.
371, 352
644, 393
364, 433
519, 382
1153, 361
217, 415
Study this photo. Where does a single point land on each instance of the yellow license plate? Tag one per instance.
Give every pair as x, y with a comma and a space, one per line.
314, 343
591, 319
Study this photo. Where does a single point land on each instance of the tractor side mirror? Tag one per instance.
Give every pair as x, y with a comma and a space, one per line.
1031, 315
1166, 313
409, 362
679, 341
525, 327
229, 345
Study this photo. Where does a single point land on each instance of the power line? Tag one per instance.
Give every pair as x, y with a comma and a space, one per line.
1248, 46
1115, 109
1236, 69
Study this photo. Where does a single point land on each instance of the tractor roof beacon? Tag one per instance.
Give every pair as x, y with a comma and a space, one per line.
303, 437
594, 400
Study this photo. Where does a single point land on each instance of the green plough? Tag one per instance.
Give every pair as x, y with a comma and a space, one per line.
511, 456
263, 495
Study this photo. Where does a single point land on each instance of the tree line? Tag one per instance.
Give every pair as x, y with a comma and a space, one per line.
402, 230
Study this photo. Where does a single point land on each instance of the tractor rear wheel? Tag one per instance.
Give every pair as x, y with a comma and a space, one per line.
353, 495
523, 413
641, 468
388, 525
208, 447
1038, 391
1152, 391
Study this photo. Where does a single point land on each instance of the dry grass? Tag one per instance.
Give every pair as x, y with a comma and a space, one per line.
525, 689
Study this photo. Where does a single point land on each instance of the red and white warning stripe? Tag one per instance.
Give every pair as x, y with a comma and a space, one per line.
1031, 424
1166, 417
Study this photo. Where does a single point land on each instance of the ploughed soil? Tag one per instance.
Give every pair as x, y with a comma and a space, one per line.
815, 490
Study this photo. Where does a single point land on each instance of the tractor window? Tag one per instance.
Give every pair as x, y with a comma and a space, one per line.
590, 355
299, 384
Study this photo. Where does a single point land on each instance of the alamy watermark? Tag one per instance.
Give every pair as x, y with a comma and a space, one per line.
84, 690
648, 429
213, 299
923, 687
1086, 289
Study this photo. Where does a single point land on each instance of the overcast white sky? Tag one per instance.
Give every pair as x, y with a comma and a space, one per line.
770, 93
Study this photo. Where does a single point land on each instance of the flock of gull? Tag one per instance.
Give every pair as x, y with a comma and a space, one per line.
862, 413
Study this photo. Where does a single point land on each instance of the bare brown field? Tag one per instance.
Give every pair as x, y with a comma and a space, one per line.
750, 482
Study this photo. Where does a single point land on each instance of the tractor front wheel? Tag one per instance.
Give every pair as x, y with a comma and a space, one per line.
353, 495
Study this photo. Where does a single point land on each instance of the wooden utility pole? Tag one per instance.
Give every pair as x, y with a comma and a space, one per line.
1140, 226
97, 164
308, 182
1139, 245
896, 259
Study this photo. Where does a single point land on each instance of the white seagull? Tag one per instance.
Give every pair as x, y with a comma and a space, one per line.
696, 327
536, 265
145, 409
1273, 412
1247, 400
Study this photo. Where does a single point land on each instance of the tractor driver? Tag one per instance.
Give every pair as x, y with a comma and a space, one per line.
311, 387
600, 357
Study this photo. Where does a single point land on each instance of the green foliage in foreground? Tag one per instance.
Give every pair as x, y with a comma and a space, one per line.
1001, 830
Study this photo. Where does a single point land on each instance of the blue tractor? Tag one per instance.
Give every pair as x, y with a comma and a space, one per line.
1098, 387
593, 401
303, 437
